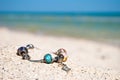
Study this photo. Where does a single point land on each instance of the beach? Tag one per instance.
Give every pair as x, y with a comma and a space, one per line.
88, 60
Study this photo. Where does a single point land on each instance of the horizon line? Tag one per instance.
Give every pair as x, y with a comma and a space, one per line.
95, 13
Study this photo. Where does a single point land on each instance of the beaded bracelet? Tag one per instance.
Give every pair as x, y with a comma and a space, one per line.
59, 56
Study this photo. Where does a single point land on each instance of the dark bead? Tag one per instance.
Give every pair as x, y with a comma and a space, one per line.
60, 58
56, 59
22, 50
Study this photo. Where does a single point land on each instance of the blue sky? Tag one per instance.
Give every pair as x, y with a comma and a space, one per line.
61, 5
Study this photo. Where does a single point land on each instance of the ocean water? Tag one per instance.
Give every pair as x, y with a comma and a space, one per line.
100, 27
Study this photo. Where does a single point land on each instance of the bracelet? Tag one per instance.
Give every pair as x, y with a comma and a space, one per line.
59, 56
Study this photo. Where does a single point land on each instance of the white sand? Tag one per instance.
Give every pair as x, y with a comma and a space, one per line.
88, 60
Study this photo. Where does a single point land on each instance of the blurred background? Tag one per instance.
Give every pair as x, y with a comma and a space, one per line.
97, 20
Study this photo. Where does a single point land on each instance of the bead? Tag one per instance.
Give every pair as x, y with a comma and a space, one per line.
30, 46
22, 50
60, 58
64, 53
48, 58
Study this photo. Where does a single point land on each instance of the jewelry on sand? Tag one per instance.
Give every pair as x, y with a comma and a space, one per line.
23, 51
59, 56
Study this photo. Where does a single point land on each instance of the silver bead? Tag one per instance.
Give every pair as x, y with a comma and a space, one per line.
30, 46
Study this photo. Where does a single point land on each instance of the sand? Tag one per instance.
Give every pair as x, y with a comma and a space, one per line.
88, 60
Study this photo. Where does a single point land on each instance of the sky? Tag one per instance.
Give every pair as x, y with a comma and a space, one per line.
60, 5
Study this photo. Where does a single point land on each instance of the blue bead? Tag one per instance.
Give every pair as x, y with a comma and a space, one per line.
48, 58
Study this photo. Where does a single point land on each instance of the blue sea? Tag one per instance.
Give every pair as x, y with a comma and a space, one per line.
103, 27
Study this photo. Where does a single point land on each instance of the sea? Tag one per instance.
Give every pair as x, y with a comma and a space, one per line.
98, 26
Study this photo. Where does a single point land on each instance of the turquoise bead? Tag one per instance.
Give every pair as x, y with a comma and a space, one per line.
48, 58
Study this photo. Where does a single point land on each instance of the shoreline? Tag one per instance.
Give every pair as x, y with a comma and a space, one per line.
87, 59
39, 33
